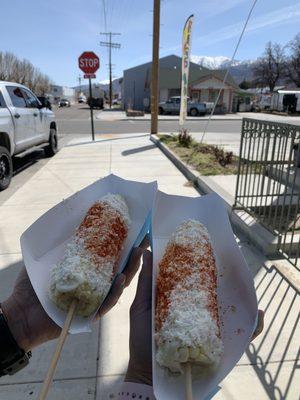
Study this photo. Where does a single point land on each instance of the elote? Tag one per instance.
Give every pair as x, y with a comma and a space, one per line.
91, 257
186, 316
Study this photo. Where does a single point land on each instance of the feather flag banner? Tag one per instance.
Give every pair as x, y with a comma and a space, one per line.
186, 50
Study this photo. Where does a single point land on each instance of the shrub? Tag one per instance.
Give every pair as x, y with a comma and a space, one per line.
184, 138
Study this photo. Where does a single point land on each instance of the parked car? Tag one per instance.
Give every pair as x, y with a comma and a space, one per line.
81, 99
64, 103
172, 106
96, 103
24, 123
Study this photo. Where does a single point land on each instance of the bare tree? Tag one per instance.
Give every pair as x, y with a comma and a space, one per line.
41, 83
293, 61
24, 72
271, 66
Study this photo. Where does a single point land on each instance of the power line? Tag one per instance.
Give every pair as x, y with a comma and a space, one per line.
111, 14
227, 71
104, 14
79, 80
110, 45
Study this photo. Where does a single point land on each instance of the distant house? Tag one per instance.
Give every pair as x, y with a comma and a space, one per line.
204, 84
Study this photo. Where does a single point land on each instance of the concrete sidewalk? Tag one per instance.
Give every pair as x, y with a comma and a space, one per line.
92, 365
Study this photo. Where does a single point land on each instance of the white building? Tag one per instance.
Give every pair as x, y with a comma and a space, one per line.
61, 92
286, 100
97, 91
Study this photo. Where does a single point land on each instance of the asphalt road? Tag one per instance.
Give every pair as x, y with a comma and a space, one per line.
76, 120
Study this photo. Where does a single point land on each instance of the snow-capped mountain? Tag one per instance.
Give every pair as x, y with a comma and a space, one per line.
240, 70
219, 62
104, 82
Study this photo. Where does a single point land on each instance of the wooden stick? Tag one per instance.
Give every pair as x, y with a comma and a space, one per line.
61, 340
188, 382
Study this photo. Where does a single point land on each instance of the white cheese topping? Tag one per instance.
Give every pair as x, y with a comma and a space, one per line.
118, 203
189, 332
84, 273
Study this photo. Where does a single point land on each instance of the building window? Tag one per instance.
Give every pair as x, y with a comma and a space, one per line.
195, 95
213, 94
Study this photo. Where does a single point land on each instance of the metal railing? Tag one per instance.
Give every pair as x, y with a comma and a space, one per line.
268, 180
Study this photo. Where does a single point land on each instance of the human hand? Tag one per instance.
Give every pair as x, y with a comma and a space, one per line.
28, 322
140, 341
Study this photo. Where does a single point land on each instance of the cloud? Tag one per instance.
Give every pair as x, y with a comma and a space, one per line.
216, 7
274, 18
208, 8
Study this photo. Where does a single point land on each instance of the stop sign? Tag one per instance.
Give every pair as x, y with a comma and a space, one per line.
88, 62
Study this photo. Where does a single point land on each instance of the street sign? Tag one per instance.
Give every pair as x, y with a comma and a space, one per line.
89, 62
89, 76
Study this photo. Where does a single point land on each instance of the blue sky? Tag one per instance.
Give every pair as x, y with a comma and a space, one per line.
53, 33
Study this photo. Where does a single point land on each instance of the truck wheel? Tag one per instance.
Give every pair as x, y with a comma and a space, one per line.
160, 111
52, 147
194, 112
6, 168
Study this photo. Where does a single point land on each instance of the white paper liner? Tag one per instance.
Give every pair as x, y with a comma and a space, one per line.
236, 294
44, 242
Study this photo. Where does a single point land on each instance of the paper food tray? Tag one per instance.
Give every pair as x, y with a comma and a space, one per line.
44, 242
236, 294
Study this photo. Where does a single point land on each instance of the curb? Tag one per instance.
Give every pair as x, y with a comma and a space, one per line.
243, 222
167, 119
187, 120
199, 119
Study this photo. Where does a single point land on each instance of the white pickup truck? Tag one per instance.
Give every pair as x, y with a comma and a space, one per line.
172, 106
24, 123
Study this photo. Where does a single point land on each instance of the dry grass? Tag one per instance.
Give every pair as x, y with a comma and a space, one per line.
200, 156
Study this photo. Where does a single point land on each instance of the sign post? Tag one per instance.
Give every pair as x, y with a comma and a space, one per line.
91, 108
89, 63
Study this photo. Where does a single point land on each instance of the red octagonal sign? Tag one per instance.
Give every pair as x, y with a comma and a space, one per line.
88, 62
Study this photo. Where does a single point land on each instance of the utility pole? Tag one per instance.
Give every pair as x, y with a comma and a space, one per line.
110, 46
155, 68
79, 81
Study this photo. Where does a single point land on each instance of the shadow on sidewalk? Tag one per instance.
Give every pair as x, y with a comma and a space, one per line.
278, 298
138, 150
107, 140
